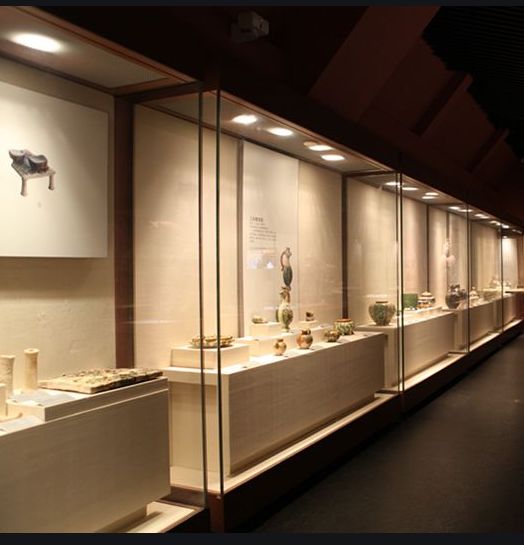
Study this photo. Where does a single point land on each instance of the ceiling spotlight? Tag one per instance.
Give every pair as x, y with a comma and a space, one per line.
245, 119
37, 41
504, 226
431, 193
409, 188
454, 208
393, 184
280, 131
482, 216
428, 197
315, 146
332, 157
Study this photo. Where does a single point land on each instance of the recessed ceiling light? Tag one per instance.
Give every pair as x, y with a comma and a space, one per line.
409, 188
428, 197
395, 184
494, 222
454, 208
245, 119
482, 216
504, 226
431, 193
37, 41
280, 131
332, 157
315, 146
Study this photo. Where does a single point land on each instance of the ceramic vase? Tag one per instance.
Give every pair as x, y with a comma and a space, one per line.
305, 339
455, 296
332, 335
381, 312
6, 373
284, 311
280, 347
426, 300
344, 326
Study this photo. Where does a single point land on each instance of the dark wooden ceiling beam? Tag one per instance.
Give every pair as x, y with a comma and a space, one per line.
487, 150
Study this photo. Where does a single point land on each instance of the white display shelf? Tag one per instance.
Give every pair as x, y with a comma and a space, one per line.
96, 465
159, 518
47, 404
265, 330
272, 400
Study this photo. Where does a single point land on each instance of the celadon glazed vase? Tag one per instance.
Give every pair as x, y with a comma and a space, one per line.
381, 312
284, 311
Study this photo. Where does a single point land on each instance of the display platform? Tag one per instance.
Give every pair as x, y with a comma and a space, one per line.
186, 356
426, 341
270, 401
96, 461
482, 322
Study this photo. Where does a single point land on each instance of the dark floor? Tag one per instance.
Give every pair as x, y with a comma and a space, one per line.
454, 465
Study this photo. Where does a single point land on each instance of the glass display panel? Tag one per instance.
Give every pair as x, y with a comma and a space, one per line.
486, 316
173, 181
435, 284
512, 255
292, 363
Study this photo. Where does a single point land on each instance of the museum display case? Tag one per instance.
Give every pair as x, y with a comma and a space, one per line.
83, 425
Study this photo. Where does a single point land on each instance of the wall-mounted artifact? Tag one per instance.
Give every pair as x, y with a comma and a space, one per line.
285, 266
310, 316
382, 311
426, 300
6, 373
284, 310
305, 339
28, 165
211, 341
409, 301
456, 296
257, 319
332, 335
30, 369
345, 326
280, 347
92, 381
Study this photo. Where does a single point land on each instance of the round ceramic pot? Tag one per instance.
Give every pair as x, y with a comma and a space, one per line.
455, 296
305, 339
285, 315
344, 326
280, 347
257, 319
332, 335
381, 312
426, 300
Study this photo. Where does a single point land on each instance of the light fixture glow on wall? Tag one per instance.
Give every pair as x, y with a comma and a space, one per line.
280, 131
37, 41
245, 119
332, 157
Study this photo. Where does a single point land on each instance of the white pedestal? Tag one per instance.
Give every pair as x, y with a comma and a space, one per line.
274, 400
265, 330
308, 325
185, 356
85, 471
510, 308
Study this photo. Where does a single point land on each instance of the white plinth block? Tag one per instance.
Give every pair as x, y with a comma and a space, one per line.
308, 325
6, 373
265, 330
186, 356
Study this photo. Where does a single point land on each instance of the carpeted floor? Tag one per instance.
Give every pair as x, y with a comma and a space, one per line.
454, 465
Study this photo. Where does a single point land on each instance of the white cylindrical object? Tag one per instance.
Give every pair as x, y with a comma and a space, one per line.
6, 373
3, 408
31, 369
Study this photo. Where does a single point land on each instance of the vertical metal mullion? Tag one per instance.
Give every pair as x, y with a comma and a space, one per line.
200, 138
240, 236
345, 291
400, 275
218, 292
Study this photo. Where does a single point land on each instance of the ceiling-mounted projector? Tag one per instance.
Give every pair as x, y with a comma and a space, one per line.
249, 26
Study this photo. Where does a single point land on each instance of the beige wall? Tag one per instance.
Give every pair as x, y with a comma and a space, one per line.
371, 248
63, 306
414, 246
320, 242
166, 235
485, 255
